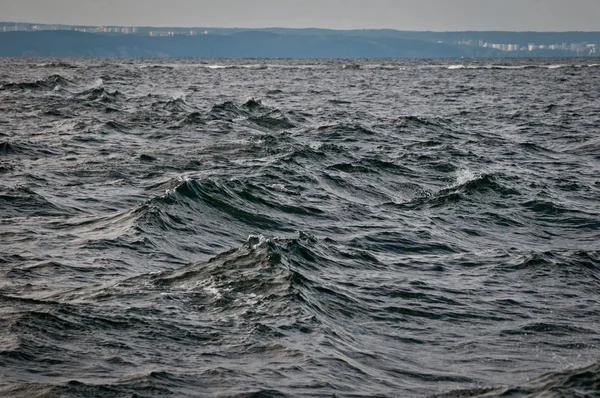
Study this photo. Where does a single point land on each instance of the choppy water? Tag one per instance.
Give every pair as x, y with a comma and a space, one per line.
299, 228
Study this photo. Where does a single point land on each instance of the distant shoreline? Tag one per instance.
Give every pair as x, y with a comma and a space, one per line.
298, 43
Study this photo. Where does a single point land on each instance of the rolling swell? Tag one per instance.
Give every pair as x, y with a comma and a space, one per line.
582, 382
259, 293
298, 228
49, 83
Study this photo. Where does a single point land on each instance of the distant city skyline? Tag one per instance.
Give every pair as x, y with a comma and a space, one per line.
435, 15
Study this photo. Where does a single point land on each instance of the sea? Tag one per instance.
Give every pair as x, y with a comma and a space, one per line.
299, 228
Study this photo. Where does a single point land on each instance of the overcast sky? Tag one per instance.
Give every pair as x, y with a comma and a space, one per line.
439, 15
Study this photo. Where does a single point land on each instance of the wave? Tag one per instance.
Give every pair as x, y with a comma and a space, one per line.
560, 214
495, 67
229, 110
176, 105
150, 384
255, 269
427, 122
261, 66
6, 147
52, 82
511, 67
191, 119
253, 112
590, 147
201, 208
263, 277
384, 67
57, 64
302, 67
23, 201
168, 67
366, 66
100, 94
159, 66
225, 67
243, 201
467, 184
516, 67
113, 126
575, 383
585, 263
345, 132
254, 67
10, 148
6, 168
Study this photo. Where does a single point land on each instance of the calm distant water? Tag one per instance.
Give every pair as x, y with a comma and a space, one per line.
298, 228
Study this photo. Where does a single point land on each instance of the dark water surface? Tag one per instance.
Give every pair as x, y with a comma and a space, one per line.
299, 228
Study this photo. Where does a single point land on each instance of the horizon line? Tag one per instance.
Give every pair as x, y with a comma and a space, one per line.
303, 28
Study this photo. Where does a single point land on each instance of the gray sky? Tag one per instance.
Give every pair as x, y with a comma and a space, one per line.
440, 15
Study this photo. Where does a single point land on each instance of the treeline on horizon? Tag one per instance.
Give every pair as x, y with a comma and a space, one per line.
283, 43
